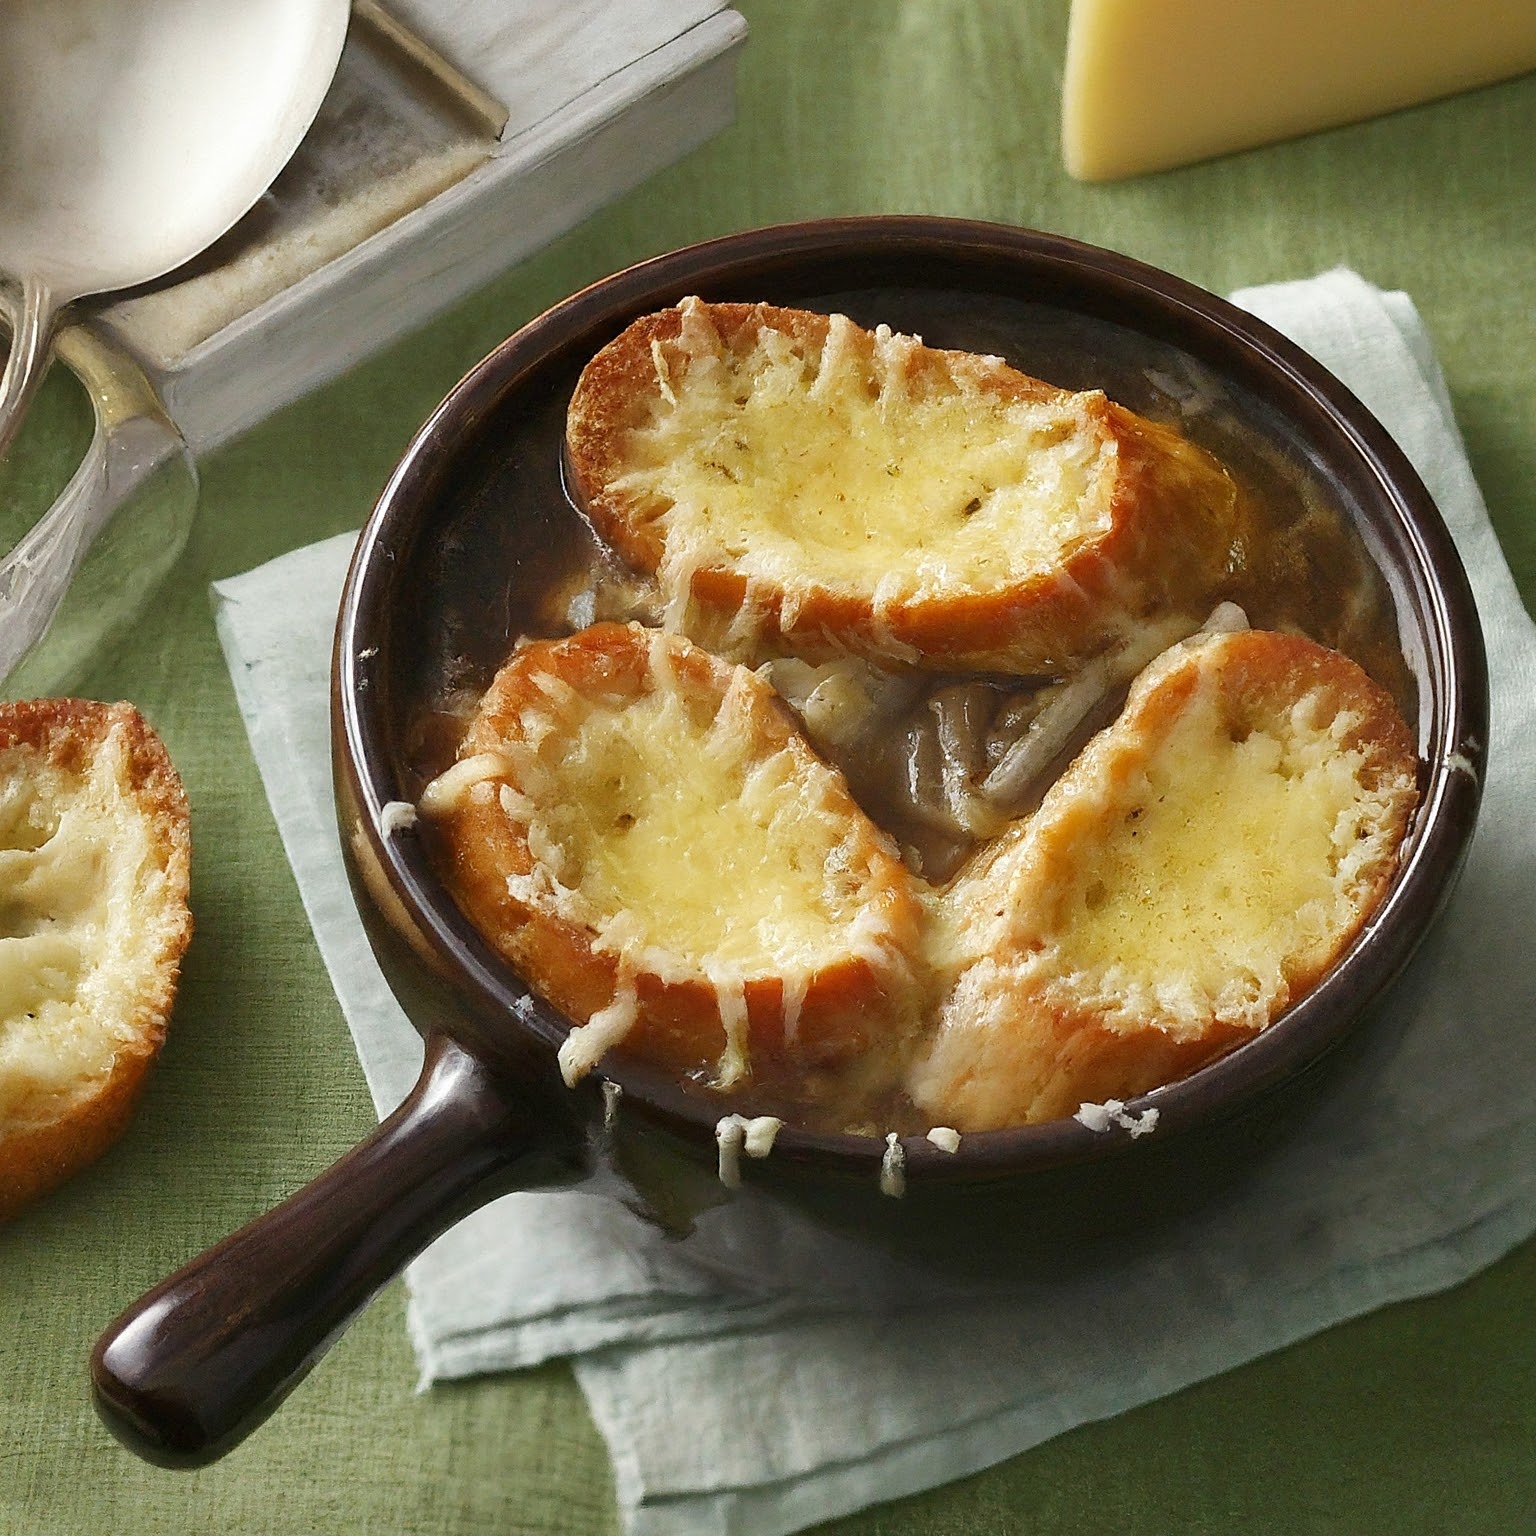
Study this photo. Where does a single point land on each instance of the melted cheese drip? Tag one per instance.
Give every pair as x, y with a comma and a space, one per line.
832, 470
586, 1044
893, 1167
735, 1134
448, 791
730, 1135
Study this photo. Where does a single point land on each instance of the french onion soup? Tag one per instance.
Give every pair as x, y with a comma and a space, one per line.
891, 740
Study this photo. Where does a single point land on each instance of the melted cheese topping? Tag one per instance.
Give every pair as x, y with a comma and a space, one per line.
837, 469
714, 850
1229, 856
72, 932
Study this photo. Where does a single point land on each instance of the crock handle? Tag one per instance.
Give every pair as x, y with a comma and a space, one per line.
195, 1365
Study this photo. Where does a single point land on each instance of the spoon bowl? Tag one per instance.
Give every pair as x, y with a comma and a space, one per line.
134, 136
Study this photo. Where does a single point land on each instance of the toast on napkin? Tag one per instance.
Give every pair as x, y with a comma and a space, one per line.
94, 855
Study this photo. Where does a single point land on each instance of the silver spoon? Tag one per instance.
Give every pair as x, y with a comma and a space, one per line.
133, 136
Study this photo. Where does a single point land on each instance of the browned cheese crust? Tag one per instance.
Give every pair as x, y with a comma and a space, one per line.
616, 781
973, 463
1199, 868
86, 790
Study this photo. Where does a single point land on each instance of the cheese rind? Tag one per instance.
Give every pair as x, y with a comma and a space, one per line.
1148, 87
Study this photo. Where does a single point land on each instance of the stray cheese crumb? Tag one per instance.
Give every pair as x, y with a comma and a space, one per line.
1095, 1116
761, 1133
945, 1138
1100, 1117
396, 816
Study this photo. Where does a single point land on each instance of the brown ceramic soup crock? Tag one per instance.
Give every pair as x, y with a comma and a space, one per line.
472, 527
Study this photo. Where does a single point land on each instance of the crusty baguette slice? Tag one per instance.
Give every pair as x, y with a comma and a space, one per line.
794, 479
640, 828
94, 853
1196, 870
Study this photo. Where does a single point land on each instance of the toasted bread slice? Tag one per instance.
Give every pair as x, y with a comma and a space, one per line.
640, 828
796, 481
1195, 871
94, 853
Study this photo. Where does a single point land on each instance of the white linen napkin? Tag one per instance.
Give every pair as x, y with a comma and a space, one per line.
1419, 1173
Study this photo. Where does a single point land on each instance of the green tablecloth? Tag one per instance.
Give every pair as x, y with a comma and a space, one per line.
1419, 1419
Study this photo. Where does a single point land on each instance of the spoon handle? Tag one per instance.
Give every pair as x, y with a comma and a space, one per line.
191, 1368
28, 362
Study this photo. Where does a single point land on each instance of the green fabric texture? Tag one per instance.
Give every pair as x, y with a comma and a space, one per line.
1418, 1419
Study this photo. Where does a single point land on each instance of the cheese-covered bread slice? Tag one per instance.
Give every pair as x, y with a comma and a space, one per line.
94, 854
796, 481
641, 829
1196, 870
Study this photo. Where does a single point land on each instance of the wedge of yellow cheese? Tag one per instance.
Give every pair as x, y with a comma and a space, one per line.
1151, 84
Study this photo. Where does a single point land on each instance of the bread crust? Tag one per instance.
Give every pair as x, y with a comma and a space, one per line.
47, 1136
856, 999
1171, 522
1037, 1022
